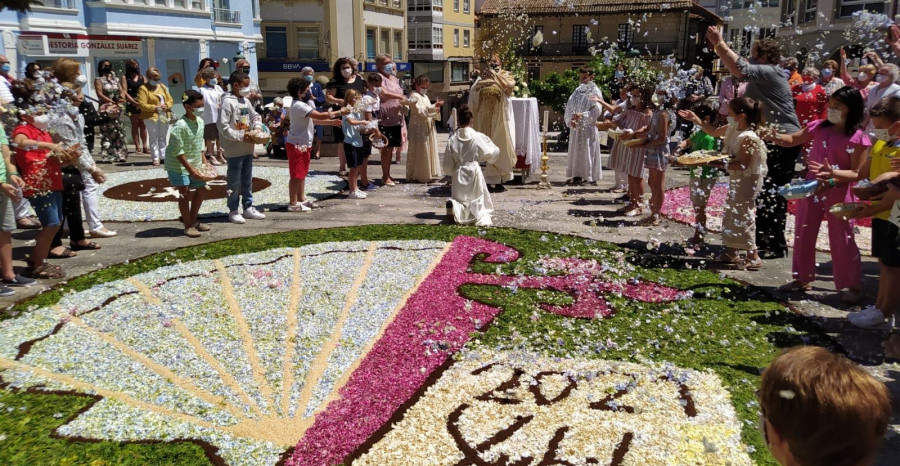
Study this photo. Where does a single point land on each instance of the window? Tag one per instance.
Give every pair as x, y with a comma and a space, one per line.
459, 72
534, 73
466, 39
434, 71
198, 4
276, 41
384, 44
741, 40
530, 44
626, 35
370, 44
738, 4
767, 33
398, 50
308, 42
437, 37
437, 5
456, 6
579, 38
456, 37
419, 38
848, 7
467, 6
807, 11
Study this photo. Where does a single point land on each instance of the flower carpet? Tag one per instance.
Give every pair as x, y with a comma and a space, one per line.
124, 196
677, 206
389, 345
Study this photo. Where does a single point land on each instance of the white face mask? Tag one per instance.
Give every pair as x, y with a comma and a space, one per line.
346, 72
807, 86
213, 81
835, 116
198, 111
862, 77
881, 78
635, 101
244, 91
882, 134
423, 91
81, 80
41, 122
732, 123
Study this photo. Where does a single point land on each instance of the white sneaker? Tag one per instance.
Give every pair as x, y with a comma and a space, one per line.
301, 207
254, 214
310, 203
236, 217
867, 318
357, 195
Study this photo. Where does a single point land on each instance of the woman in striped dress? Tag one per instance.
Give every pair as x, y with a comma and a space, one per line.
630, 160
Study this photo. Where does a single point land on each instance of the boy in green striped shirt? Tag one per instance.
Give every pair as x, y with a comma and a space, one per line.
184, 158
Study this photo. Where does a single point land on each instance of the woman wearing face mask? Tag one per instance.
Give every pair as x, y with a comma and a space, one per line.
156, 110
829, 81
864, 78
422, 162
886, 87
392, 123
40, 171
811, 101
199, 78
33, 70
840, 143
129, 86
630, 161
80, 179
112, 133
318, 97
212, 99
343, 78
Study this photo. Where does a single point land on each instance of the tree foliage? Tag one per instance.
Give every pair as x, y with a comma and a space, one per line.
19, 5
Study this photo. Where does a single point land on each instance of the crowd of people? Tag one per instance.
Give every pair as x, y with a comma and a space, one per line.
840, 129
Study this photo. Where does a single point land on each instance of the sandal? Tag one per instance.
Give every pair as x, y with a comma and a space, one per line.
67, 253
726, 258
82, 247
795, 286
46, 272
751, 265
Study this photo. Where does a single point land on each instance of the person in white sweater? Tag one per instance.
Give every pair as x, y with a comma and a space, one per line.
237, 119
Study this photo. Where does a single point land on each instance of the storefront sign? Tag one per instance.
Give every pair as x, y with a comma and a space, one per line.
290, 66
74, 45
401, 67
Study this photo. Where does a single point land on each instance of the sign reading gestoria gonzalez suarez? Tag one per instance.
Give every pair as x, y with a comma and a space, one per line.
79, 45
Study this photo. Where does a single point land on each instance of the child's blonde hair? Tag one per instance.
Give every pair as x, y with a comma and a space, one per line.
351, 96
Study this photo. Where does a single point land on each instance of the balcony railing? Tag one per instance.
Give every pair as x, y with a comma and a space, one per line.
582, 49
221, 15
56, 3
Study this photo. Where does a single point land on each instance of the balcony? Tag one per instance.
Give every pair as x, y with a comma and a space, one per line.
64, 4
581, 49
221, 15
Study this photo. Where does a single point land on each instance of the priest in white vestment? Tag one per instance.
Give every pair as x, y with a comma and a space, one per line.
584, 140
471, 201
489, 100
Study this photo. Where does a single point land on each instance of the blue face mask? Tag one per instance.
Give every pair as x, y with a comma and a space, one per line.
154, 82
5, 68
213, 81
620, 74
309, 78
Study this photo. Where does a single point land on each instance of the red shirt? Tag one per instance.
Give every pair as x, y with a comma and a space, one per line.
812, 105
40, 172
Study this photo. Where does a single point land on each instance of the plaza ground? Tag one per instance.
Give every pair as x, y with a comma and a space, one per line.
586, 211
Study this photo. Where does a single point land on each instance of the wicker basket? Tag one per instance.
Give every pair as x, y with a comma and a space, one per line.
377, 141
208, 173
846, 210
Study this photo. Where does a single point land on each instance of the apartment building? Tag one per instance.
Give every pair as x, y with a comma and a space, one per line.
441, 35
643, 28
315, 33
814, 28
172, 35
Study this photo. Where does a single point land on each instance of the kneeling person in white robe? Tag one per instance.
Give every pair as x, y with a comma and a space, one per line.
471, 202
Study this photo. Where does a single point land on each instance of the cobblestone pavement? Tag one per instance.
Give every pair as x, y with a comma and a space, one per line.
585, 211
